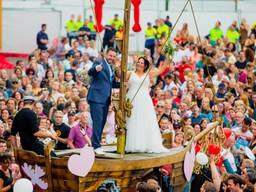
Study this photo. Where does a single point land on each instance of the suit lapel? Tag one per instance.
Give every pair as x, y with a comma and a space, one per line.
106, 69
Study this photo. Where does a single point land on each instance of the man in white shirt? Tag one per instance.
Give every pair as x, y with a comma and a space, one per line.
169, 83
86, 62
91, 52
243, 135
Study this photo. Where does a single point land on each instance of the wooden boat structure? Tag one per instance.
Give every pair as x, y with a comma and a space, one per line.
126, 170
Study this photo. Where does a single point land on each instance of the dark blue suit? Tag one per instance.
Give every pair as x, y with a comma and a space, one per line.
99, 98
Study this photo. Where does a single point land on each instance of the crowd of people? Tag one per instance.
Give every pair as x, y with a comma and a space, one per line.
207, 78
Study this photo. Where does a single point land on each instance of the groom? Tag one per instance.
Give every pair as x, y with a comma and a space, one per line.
99, 95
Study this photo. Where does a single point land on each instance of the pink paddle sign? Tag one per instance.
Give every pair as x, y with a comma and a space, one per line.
80, 165
189, 162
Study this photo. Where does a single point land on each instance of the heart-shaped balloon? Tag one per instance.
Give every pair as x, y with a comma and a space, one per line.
80, 165
227, 132
189, 163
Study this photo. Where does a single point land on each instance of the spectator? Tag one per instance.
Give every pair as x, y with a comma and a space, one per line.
109, 36
25, 123
6, 179
71, 27
80, 135
216, 33
243, 135
42, 38
235, 183
150, 34
116, 22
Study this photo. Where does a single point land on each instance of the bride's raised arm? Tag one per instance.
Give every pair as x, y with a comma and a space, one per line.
157, 71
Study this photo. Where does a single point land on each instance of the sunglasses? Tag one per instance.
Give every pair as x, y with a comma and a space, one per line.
15, 82
160, 106
215, 111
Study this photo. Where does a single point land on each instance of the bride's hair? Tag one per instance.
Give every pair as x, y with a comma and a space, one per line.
146, 63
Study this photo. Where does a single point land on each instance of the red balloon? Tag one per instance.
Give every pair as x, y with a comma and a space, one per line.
197, 148
136, 27
227, 132
213, 149
98, 14
216, 150
220, 161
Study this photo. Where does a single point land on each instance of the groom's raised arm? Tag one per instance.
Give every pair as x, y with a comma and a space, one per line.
96, 67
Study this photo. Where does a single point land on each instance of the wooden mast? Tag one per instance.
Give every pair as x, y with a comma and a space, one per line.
1, 23
125, 45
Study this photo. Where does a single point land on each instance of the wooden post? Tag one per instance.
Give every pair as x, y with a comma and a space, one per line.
125, 45
48, 166
1, 23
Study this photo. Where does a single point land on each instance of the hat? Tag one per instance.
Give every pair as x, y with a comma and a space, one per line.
29, 98
221, 85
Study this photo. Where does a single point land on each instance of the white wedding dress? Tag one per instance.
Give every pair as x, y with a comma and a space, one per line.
143, 133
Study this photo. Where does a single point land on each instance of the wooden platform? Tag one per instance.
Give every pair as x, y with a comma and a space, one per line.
110, 153
126, 170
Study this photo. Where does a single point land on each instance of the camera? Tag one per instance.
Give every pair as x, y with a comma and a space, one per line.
108, 186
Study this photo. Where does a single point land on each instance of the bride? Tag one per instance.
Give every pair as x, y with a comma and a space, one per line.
143, 133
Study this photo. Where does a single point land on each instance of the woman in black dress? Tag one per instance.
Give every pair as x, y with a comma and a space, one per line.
6, 180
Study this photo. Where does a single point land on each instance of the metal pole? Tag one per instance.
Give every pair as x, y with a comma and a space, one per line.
166, 5
158, 9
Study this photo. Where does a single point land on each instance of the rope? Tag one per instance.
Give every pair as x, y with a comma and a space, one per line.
200, 40
171, 30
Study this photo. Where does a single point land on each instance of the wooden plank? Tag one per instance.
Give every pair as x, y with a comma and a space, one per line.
146, 163
178, 165
60, 185
177, 172
1, 24
63, 173
178, 180
48, 166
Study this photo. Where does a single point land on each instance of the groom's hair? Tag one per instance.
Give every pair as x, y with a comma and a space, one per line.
111, 49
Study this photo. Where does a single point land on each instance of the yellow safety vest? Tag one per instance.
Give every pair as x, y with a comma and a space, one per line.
163, 29
90, 25
79, 24
71, 26
150, 33
233, 36
216, 34
117, 23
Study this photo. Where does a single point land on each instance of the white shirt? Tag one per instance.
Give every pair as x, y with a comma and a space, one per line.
230, 157
86, 65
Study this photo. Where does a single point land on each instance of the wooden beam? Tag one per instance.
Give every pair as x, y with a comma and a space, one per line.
1, 23
121, 137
